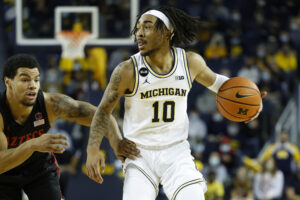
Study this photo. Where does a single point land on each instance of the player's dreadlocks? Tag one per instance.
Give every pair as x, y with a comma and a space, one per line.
186, 27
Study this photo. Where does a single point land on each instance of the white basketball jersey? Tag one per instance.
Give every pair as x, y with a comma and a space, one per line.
156, 110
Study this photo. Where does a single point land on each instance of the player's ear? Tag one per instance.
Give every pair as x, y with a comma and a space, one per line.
169, 33
7, 81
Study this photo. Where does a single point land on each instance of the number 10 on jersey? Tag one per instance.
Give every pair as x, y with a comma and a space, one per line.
168, 109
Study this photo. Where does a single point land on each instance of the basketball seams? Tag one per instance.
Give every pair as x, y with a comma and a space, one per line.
223, 108
223, 90
238, 101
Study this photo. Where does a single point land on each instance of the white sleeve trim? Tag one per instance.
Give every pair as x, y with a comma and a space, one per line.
220, 79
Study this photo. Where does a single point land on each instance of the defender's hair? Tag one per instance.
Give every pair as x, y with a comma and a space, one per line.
13, 63
186, 27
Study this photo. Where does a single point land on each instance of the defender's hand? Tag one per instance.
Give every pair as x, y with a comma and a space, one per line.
263, 94
127, 149
93, 161
49, 143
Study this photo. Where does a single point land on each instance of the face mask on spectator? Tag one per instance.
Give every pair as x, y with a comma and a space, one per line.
214, 161
261, 53
265, 76
284, 38
294, 26
269, 166
225, 148
217, 117
198, 148
232, 129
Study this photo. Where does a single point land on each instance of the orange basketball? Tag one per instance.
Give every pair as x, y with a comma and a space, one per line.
238, 99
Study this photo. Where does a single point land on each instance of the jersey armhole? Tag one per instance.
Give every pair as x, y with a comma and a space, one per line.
136, 78
186, 67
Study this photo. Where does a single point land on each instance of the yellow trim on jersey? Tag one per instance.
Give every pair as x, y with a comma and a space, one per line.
184, 185
163, 75
148, 177
136, 78
296, 155
291, 148
187, 68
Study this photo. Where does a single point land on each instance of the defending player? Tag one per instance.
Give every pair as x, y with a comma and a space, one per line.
26, 150
156, 82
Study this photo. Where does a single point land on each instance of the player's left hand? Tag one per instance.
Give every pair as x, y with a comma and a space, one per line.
263, 94
94, 161
127, 149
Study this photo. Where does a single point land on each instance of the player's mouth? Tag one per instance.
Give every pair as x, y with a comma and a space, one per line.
141, 44
30, 95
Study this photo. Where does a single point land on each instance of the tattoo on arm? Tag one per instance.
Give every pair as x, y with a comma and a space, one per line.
64, 106
101, 120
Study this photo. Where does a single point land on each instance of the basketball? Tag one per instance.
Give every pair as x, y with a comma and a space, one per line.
238, 99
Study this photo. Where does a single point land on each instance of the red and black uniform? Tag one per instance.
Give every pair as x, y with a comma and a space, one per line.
38, 175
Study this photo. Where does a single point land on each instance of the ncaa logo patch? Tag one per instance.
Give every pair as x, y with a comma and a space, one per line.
143, 71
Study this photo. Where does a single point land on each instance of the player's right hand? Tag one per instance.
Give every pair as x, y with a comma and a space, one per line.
95, 160
49, 143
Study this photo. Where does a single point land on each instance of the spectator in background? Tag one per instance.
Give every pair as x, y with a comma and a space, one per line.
286, 58
250, 143
214, 164
283, 152
215, 189
293, 185
228, 154
268, 184
197, 127
250, 70
216, 48
242, 185
197, 133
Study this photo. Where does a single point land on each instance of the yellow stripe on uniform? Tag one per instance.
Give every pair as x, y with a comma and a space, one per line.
136, 78
187, 69
148, 177
184, 185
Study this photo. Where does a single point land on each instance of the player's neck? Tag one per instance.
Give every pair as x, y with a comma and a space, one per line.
161, 61
19, 111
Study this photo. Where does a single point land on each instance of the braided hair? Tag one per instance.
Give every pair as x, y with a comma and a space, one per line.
186, 27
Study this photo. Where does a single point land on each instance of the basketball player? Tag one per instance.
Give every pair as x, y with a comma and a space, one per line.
26, 150
156, 82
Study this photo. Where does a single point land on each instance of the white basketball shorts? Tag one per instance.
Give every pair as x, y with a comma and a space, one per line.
172, 167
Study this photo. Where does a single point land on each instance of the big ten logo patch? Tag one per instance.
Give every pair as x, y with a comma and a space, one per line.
179, 77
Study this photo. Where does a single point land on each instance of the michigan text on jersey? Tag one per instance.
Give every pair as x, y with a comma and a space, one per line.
163, 92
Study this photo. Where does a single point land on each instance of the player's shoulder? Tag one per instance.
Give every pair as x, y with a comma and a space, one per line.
194, 56
125, 68
293, 147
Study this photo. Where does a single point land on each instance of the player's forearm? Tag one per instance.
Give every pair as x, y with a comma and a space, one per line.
11, 158
84, 113
113, 134
99, 127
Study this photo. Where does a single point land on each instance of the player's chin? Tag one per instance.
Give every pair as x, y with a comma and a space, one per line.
28, 103
144, 52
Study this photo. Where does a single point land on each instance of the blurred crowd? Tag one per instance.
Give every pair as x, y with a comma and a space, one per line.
257, 39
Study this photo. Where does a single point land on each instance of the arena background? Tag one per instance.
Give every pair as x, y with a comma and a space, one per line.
257, 39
